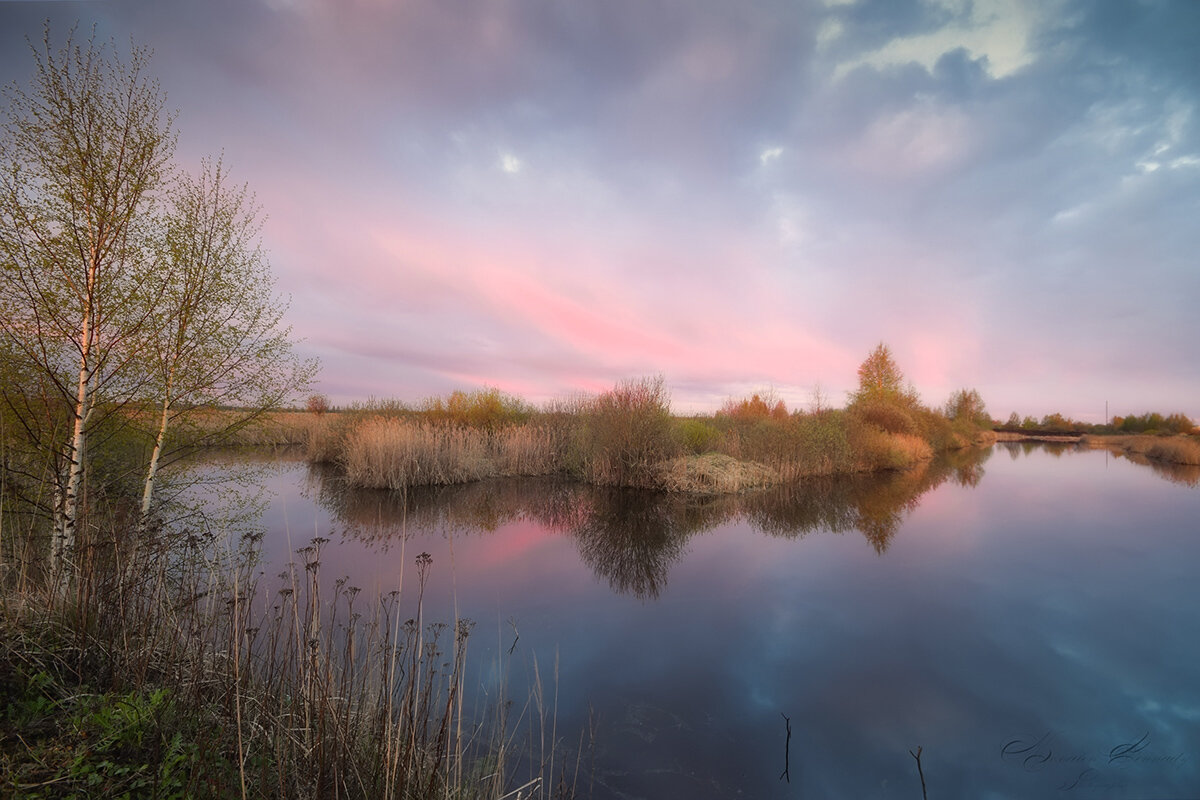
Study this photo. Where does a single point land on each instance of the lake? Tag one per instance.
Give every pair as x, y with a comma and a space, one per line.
1029, 616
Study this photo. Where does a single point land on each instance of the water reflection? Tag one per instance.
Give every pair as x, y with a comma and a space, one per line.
1183, 474
875, 505
632, 538
1045, 604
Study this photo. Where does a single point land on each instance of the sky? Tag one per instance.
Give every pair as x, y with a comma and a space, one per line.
550, 196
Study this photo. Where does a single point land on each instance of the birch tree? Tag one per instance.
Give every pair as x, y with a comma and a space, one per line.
218, 340
86, 149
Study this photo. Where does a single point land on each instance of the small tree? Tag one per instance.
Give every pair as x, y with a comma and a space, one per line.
755, 407
85, 151
219, 339
879, 379
820, 401
1055, 421
967, 405
317, 404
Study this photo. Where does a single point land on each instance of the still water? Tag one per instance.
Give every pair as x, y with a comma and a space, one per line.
1028, 616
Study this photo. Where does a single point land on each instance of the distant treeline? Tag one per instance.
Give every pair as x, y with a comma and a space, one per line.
1152, 422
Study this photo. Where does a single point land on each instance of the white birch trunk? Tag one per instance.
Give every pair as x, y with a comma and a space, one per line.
152, 470
63, 545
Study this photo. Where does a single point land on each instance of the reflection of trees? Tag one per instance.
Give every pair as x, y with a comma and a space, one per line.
874, 504
1185, 474
1057, 449
1014, 449
381, 515
794, 510
629, 537
967, 465
1027, 447
632, 537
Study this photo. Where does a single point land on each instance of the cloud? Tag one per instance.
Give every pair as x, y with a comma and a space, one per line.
912, 141
552, 195
769, 154
510, 163
998, 32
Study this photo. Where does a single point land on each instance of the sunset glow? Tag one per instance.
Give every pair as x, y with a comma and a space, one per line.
549, 197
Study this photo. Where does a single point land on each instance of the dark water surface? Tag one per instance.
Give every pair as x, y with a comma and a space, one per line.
1029, 617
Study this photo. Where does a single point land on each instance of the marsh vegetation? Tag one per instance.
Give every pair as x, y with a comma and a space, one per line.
628, 436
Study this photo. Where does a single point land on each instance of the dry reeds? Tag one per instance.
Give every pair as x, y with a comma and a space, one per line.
391, 453
713, 473
1179, 449
877, 449
179, 676
385, 453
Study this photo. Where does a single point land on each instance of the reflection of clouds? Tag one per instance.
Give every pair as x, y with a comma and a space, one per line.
1069, 618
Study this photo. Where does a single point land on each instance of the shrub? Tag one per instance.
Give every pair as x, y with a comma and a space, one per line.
887, 416
487, 408
625, 432
697, 436
877, 449
324, 438
755, 407
825, 446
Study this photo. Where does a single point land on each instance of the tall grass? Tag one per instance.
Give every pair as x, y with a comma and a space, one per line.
628, 437
1179, 449
172, 670
388, 453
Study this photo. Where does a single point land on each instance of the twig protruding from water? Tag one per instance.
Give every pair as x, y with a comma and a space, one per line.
921, 772
787, 749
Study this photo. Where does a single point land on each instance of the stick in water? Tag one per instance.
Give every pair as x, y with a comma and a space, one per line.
787, 749
921, 772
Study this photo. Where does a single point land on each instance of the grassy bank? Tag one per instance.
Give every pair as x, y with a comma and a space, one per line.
627, 437
167, 671
1177, 449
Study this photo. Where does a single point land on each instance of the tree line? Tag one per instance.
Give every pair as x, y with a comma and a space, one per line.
1151, 422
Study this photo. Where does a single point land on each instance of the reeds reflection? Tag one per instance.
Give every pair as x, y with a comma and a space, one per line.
875, 504
631, 538
1184, 474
